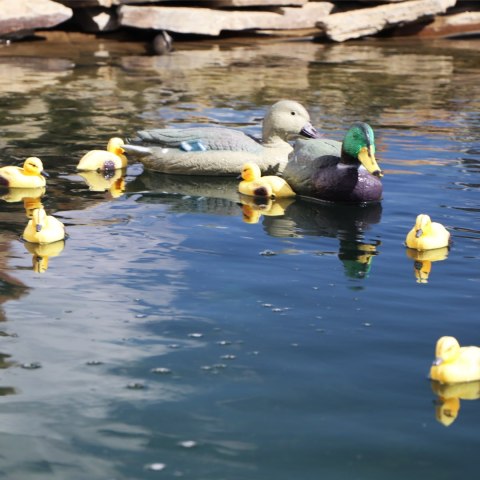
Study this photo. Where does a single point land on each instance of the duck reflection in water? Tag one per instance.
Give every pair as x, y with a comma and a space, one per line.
423, 260
346, 222
31, 198
447, 404
285, 217
42, 252
111, 181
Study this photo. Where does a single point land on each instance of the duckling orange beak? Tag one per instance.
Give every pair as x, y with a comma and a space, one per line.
367, 159
309, 131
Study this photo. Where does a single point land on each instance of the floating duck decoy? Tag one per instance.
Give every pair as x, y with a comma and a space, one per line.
427, 235
42, 252
31, 175
223, 151
449, 396
43, 228
105, 160
424, 259
270, 186
455, 364
334, 171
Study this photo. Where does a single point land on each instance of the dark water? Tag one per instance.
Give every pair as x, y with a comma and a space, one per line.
171, 338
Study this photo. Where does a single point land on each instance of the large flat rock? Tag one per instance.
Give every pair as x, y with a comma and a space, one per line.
18, 16
368, 21
206, 21
104, 3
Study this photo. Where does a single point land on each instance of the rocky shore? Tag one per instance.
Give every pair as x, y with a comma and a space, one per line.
334, 20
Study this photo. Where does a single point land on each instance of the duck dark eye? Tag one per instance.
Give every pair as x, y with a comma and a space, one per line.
292, 113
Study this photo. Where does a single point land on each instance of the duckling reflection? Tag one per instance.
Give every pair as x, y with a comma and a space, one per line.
112, 181
423, 261
253, 207
42, 252
31, 198
447, 404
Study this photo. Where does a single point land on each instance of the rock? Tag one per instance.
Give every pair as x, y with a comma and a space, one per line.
96, 19
456, 25
206, 21
368, 21
24, 15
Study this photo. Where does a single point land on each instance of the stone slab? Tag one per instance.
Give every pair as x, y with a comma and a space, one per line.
206, 21
368, 21
24, 15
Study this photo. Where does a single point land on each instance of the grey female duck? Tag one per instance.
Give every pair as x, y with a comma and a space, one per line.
334, 171
223, 151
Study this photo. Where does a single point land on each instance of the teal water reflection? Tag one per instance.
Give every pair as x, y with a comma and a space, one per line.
184, 331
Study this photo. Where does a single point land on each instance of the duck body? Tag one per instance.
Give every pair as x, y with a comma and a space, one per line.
104, 160
427, 235
220, 150
270, 186
340, 172
31, 175
43, 228
455, 364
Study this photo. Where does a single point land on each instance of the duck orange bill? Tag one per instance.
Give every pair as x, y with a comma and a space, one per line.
367, 159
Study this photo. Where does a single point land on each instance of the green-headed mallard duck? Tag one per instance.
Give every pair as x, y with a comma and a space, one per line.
427, 235
223, 151
31, 175
334, 171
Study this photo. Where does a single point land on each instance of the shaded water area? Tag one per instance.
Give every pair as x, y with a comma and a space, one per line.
180, 334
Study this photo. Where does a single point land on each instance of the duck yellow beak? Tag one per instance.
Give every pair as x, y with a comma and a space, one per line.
367, 159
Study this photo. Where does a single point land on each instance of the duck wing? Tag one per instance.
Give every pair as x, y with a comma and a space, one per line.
307, 158
200, 139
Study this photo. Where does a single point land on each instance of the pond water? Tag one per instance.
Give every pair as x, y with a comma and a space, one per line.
179, 334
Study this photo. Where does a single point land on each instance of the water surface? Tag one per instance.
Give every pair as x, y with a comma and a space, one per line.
179, 333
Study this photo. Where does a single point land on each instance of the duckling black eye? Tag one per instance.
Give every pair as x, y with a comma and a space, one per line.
292, 113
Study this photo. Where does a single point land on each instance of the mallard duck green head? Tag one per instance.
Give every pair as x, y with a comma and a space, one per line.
359, 144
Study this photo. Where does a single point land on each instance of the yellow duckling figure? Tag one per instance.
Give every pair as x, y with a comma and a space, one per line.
112, 158
31, 175
454, 364
423, 261
42, 252
449, 396
254, 185
43, 228
427, 235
